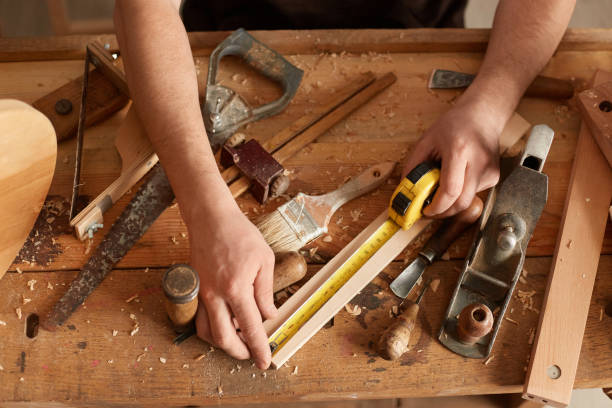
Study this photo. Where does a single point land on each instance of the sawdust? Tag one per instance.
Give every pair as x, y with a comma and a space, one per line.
295, 370
488, 360
25, 300
49, 285
163, 360
18, 312
353, 310
200, 357
2, 323
31, 284
131, 298
115, 333
18, 270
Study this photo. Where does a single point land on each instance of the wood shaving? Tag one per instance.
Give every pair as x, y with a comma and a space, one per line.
18, 312
253, 375
88, 245
132, 316
394, 310
110, 361
162, 360
220, 391
21, 379
355, 214
445, 256
25, 300
185, 365
601, 312
232, 371
128, 300
2, 323
570, 243
531, 336
264, 374
49, 285
522, 280
512, 321
419, 350
295, 370
488, 360
18, 270
1, 368
173, 239
434, 285
115, 333
312, 251
184, 235
354, 311
134, 330
327, 238
200, 357
140, 357
31, 284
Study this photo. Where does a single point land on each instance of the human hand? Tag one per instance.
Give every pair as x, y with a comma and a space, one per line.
236, 273
466, 140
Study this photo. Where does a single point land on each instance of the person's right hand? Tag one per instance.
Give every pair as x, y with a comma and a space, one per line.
466, 140
236, 275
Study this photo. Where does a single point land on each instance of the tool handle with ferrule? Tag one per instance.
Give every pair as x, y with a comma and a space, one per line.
451, 229
394, 341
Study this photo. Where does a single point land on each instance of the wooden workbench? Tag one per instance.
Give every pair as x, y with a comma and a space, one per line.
84, 363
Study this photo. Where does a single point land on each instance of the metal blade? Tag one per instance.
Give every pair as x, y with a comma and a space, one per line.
403, 284
445, 79
153, 197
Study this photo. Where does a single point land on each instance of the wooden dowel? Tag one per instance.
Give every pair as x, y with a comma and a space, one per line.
316, 130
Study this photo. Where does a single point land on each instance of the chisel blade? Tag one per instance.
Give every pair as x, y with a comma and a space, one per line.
445, 79
403, 284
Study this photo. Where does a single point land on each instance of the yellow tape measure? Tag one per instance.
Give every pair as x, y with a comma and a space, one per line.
406, 207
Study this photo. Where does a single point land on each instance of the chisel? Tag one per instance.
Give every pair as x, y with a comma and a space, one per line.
450, 230
541, 87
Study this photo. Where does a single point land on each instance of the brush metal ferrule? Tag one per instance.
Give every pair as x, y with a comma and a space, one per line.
300, 220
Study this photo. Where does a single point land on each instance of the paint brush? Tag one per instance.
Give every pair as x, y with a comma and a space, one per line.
305, 217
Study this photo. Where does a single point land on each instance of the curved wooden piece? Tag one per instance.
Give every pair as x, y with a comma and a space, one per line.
28, 149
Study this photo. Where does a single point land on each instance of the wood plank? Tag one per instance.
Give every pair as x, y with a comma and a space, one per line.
385, 128
28, 149
71, 365
561, 326
308, 42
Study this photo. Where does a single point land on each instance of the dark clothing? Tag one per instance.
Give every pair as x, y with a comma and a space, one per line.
211, 15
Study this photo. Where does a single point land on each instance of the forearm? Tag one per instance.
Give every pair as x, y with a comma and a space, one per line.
524, 36
164, 89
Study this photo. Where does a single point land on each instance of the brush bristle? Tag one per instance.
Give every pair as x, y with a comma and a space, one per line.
278, 234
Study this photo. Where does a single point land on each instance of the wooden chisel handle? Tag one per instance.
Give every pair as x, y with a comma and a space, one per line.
289, 268
394, 341
452, 228
553, 88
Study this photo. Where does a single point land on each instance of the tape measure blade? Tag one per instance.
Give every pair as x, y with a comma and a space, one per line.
314, 283
357, 282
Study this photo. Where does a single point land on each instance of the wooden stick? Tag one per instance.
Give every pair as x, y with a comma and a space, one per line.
317, 129
306, 121
556, 351
362, 277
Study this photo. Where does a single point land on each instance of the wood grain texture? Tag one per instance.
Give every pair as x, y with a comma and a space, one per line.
561, 326
72, 365
308, 42
596, 107
27, 159
385, 129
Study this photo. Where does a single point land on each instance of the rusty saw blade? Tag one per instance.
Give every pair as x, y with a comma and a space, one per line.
152, 198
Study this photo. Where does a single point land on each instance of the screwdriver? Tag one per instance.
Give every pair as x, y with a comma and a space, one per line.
394, 341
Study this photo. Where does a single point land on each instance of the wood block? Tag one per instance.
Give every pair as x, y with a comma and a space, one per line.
596, 107
555, 355
27, 157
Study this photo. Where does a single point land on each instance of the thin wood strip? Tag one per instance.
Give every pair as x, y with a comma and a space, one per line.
323, 125
306, 121
570, 285
307, 42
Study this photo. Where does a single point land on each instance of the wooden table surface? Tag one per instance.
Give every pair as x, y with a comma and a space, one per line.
84, 363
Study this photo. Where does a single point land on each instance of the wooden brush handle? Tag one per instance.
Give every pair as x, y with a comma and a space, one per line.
367, 181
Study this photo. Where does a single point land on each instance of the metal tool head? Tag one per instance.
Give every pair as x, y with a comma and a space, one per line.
224, 110
445, 79
403, 284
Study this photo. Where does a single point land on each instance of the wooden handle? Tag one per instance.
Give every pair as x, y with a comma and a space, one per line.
475, 321
554, 88
394, 341
289, 268
453, 227
324, 206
